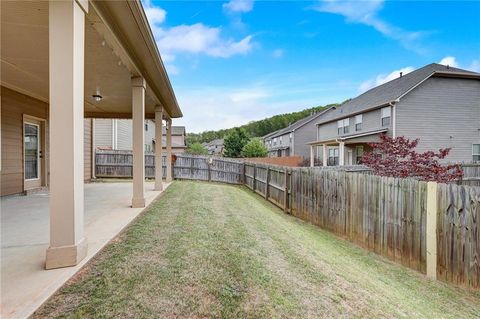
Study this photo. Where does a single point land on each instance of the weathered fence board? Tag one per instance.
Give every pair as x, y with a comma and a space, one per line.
113, 163
382, 214
458, 235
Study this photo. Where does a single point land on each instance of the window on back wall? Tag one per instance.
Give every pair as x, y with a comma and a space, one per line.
146, 126
343, 126
333, 157
476, 152
291, 137
358, 154
386, 116
358, 122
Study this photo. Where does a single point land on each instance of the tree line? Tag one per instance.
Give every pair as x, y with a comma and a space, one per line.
257, 128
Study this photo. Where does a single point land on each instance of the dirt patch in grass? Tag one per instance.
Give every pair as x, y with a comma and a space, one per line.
218, 251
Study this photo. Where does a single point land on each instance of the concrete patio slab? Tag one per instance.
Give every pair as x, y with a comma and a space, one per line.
25, 284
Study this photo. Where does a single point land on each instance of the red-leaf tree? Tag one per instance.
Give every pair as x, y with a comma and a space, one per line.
396, 157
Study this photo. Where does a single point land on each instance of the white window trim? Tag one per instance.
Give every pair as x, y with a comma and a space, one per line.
38, 151
359, 119
473, 150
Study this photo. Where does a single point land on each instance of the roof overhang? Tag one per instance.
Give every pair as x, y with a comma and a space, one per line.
129, 25
348, 137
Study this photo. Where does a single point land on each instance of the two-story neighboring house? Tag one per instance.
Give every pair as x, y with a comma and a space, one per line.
116, 134
438, 104
214, 147
292, 140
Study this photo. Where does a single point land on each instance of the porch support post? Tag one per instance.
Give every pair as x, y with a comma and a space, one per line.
312, 157
138, 125
68, 245
169, 150
341, 153
324, 155
158, 148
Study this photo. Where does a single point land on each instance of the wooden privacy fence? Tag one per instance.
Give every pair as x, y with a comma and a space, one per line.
208, 169
114, 163
432, 228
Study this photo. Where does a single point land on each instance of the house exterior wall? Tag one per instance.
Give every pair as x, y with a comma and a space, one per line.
123, 134
442, 112
302, 136
87, 149
371, 121
14, 106
150, 135
103, 133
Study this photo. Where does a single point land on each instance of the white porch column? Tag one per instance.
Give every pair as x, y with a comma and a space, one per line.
324, 155
158, 147
138, 126
312, 157
66, 70
341, 153
169, 150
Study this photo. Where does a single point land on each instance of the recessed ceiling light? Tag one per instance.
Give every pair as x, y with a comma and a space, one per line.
97, 97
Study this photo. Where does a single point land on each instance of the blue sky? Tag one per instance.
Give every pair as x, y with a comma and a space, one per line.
231, 62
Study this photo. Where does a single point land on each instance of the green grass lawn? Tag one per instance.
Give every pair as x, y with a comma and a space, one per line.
218, 251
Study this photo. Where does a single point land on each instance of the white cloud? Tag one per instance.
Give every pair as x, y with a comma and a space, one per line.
200, 39
155, 15
248, 95
193, 39
238, 5
278, 53
449, 60
383, 78
475, 66
365, 12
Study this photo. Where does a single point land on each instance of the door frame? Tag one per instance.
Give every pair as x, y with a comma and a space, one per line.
42, 166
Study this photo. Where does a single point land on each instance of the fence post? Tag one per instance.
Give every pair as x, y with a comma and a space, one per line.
431, 230
267, 182
209, 170
254, 176
285, 193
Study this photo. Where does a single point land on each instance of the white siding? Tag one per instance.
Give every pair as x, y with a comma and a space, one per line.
103, 133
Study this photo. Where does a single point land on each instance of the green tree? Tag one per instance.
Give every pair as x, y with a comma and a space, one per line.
235, 141
254, 148
196, 149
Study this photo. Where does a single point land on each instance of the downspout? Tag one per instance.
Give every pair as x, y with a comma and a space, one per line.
293, 143
394, 117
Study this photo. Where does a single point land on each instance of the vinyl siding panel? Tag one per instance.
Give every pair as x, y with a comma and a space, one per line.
87, 149
371, 121
302, 136
442, 112
14, 106
103, 133
124, 134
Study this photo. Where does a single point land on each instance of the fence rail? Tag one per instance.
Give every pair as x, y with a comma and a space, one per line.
390, 216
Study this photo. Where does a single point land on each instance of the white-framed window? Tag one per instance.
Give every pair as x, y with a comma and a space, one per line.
476, 152
146, 126
386, 116
343, 126
333, 156
291, 137
358, 122
281, 140
358, 154
274, 141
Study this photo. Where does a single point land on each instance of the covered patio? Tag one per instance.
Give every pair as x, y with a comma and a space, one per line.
25, 226
344, 150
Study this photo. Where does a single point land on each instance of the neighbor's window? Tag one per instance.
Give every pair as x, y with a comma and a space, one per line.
281, 140
386, 115
291, 137
274, 141
343, 126
146, 126
333, 158
358, 122
476, 152
358, 154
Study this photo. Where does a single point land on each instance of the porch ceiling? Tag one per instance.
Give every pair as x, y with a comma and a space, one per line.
24, 60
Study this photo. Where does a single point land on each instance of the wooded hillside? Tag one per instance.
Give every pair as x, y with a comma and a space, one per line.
258, 128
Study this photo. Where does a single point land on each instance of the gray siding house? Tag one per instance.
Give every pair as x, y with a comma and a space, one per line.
438, 104
292, 140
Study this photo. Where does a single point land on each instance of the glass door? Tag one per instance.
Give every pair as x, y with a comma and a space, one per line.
32, 154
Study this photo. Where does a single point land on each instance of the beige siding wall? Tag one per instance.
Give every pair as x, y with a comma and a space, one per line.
103, 133
14, 106
124, 135
442, 112
87, 150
